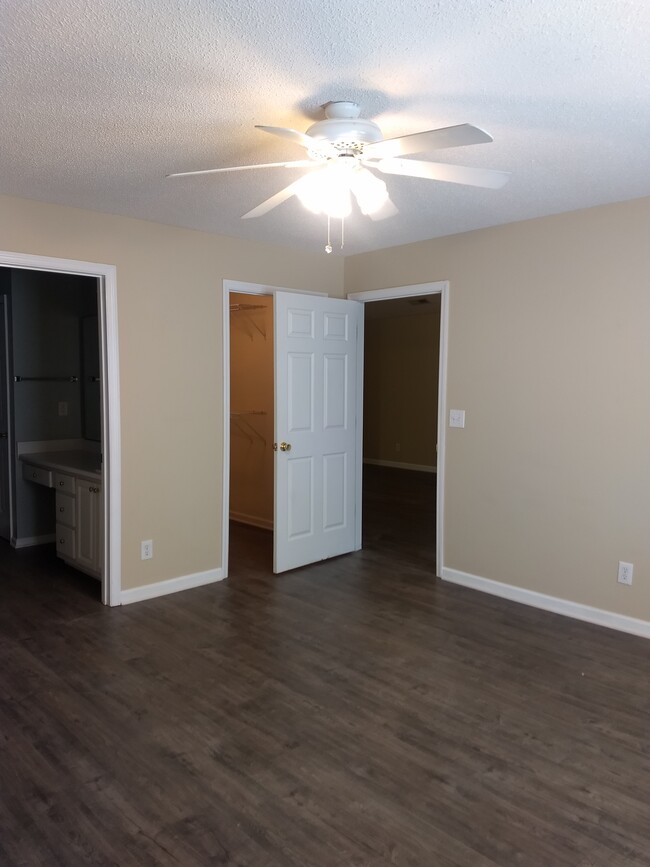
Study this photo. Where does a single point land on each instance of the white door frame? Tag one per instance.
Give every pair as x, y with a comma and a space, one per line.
439, 288
244, 289
9, 469
111, 445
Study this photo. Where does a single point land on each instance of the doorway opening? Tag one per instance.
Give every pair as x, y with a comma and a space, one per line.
402, 481
400, 415
61, 454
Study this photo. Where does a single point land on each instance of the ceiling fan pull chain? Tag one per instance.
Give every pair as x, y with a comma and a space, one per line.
328, 248
342, 232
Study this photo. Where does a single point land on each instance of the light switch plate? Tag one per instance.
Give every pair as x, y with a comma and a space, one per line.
456, 418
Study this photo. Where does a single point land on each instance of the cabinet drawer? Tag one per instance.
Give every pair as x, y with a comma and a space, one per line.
65, 509
65, 541
37, 475
62, 482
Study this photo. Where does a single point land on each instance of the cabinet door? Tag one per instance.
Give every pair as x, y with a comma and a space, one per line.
89, 526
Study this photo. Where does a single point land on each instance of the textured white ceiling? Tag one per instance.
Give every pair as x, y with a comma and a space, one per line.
100, 100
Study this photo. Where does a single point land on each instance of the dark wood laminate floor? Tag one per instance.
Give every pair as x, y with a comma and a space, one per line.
353, 713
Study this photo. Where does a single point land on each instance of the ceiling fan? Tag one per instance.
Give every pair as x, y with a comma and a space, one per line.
344, 152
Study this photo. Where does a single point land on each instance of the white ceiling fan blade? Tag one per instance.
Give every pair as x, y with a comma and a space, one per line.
295, 164
430, 140
473, 177
274, 201
388, 209
312, 144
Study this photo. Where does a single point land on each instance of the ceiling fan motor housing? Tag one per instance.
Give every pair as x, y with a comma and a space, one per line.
344, 128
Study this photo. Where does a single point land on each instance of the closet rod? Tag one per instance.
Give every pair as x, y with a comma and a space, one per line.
46, 379
235, 308
248, 412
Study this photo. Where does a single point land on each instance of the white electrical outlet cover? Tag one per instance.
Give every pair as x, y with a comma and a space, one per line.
625, 572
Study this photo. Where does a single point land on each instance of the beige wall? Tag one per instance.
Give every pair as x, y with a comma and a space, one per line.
169, 283
251, 389
400, 391
548, 486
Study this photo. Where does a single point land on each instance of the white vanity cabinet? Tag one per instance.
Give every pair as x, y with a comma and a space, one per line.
79, 522
79, 506
89, 549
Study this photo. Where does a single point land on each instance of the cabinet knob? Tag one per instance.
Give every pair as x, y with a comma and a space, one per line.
61, 541
61, 508
61, 484
34, 475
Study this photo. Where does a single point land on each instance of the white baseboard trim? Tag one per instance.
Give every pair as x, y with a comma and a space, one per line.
578, 611
400, 465
253, 520
28, 541
172, 585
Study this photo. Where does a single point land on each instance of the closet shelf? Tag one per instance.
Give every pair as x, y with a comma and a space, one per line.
247, 308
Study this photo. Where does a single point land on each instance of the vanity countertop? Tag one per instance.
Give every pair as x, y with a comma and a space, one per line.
76, 462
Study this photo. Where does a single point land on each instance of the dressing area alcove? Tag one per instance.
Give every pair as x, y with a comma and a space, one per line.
52, 467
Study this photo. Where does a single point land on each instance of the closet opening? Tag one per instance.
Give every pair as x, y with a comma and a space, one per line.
251, 486
292, 375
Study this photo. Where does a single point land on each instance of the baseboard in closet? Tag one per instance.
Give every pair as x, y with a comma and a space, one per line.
400, 465
252, 520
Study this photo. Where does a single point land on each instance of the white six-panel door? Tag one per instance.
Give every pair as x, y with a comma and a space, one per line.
315, 427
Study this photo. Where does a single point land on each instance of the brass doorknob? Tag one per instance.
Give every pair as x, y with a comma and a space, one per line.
285, 447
